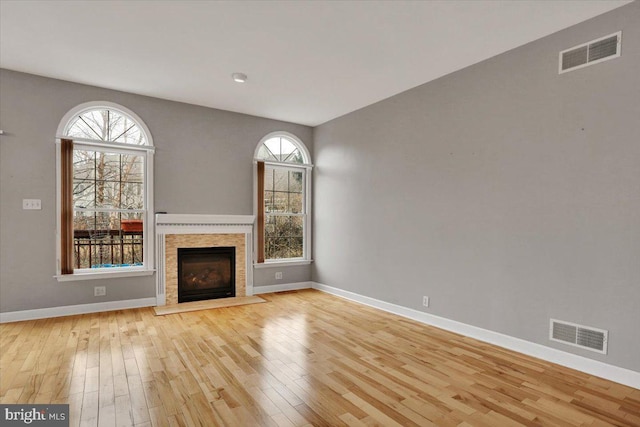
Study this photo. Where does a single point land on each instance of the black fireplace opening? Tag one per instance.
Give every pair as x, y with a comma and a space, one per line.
206, 273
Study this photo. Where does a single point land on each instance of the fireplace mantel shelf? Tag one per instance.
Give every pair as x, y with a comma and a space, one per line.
165, 220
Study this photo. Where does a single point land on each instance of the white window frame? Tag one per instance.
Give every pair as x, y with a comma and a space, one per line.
306, 169
147, 152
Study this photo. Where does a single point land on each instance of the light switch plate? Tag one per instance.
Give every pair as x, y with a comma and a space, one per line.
31, 204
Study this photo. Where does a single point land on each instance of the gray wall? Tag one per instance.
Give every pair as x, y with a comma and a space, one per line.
506, 192
291, 274
203, 165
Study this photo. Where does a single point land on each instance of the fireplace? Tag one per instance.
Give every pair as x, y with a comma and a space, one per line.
178, 231
206, 273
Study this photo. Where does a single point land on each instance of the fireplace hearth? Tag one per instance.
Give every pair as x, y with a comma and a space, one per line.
206, 273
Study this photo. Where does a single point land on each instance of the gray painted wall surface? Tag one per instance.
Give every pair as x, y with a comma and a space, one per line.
290, 274
506, 192
203, 165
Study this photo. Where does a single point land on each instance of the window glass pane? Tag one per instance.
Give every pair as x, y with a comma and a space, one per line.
105, 194
276, 248
132, 196
94, 234
295, 203
290, 226
283, 190
283, 237
280, 179
87, 126
265, 154
108, 166
108, 180
268, 178
83, 194
278, 203
106, 125
84, 164
287, 149
296, 157
132, 168
269, 226
268, 202
272, 203
273, 145
123, 129
107, 239
295, 181
131, 245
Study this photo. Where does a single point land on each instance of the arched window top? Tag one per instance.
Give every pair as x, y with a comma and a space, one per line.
105, 122
282, 147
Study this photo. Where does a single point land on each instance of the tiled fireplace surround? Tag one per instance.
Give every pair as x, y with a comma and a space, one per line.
175, 231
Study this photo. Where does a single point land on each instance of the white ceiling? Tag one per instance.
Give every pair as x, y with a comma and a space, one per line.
307, 61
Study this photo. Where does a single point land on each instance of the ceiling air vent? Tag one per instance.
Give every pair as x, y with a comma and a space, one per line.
593, 52
579, 336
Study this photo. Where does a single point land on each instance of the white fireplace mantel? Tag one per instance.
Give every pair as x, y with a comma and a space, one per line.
191, 223
167, 224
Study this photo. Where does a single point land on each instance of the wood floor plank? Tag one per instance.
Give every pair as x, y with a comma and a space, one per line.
303, 358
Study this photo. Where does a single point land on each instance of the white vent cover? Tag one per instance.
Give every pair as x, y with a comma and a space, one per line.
579, 336
593, 52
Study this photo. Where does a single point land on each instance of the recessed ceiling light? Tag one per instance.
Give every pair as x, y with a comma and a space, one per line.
239, 77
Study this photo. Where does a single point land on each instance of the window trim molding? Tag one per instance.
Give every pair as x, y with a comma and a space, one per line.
285, 165
306, 168
288, 262
106, 145
144, 150
95, 275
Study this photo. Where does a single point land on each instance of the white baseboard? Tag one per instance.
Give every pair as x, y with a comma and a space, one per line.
580, 363
44, 313
68, 310
281, 288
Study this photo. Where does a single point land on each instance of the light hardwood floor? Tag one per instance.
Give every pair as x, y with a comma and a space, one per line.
302, 358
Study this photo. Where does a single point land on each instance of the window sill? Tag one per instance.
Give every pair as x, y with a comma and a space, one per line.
284, 263
93, 275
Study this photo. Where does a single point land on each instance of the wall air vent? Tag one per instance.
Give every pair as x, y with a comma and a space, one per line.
593, 52
579, 336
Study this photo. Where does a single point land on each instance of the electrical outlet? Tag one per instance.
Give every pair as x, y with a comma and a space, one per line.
99, 291
31, 204
278, 275
425, 301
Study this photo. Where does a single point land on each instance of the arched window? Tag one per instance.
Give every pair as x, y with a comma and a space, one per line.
281, 147
105, 124
283, 199
105, 193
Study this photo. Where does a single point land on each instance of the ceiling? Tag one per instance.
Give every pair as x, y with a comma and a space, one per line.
307, 61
